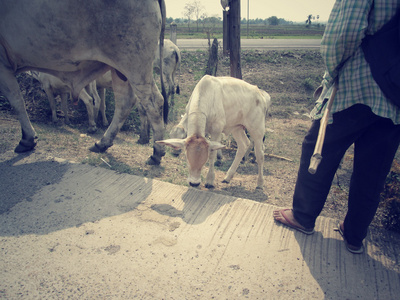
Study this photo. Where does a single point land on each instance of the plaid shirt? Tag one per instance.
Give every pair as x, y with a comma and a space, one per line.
349, 22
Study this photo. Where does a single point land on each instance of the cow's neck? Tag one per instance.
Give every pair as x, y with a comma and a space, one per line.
197, 123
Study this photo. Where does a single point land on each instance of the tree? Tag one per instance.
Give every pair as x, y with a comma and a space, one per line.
198, 12
188, 11
194, 8
273, 20
308, 21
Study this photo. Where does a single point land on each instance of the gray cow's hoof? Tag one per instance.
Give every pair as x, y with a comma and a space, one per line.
195, 185
209, 186
25, 146
92, 129
98, 149
153, 161
143, 141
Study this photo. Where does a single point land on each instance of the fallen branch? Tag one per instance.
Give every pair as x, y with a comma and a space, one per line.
277, 156
265, 155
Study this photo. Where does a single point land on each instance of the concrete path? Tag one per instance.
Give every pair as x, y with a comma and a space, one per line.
72, 231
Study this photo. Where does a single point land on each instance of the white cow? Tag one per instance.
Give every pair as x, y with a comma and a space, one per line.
221, 105
78, 41
53, 87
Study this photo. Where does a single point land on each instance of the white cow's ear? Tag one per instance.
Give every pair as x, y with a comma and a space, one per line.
216, 145
174, 143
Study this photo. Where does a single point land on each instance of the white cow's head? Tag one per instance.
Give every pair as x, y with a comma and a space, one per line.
197, 150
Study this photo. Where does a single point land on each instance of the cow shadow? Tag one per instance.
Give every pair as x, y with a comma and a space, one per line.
198, 205
43, 196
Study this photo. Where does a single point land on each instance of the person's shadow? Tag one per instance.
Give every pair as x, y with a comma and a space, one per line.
343, 275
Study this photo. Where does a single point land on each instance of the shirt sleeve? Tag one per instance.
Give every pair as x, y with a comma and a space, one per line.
343, 35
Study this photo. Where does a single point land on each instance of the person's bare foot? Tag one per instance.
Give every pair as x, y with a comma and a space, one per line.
285, 216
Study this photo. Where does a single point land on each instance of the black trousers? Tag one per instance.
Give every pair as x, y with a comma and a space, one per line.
376, 140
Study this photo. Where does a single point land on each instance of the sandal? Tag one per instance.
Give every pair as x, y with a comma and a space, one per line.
349, 247
284, 219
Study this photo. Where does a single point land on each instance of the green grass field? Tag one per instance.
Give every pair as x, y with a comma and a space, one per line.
251, 32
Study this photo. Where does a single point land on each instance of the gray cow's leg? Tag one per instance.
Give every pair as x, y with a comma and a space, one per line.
124, 101
154, 111
153, 106
144, 136
10, 88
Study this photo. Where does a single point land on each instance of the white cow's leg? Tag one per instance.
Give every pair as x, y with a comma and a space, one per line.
243, 143
211, 169
52, 102
102, 95
259, 150
92, 91
85, 97
10, 88
64, 106
124, 101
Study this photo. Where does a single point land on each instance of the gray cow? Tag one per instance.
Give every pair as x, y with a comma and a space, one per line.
78, 41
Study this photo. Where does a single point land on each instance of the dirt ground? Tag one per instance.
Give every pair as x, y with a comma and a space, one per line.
288, 76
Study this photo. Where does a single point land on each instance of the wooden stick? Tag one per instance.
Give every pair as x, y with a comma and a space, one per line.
277, 156
317, 157
265, 155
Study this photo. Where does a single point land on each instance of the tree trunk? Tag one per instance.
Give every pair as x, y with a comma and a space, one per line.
212, 63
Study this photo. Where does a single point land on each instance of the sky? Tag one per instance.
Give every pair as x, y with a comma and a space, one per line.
290, 10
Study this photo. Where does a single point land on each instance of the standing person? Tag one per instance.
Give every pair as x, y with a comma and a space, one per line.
361, 115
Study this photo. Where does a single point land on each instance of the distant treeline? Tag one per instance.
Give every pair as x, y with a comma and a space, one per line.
268, 21
212, 27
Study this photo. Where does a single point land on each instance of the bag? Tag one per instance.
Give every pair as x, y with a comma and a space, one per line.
382, 52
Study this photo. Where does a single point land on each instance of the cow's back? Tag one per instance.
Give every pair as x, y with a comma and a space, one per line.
62, 35
228, 101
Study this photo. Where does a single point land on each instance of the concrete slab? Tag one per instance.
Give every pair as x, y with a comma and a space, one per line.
75, 231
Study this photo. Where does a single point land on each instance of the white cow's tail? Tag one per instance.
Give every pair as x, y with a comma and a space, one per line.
161, 45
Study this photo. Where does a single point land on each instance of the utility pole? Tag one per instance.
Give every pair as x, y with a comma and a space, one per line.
234, 39
248, 14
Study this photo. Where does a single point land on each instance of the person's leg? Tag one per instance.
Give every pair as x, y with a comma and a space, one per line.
312, 189
373, 156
